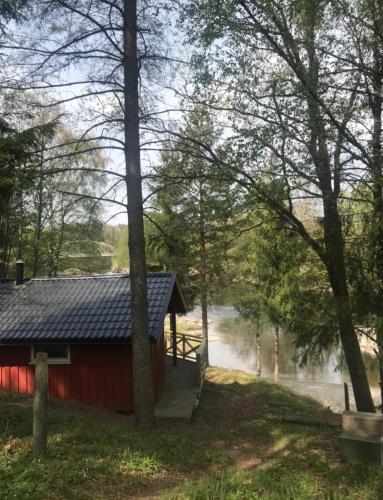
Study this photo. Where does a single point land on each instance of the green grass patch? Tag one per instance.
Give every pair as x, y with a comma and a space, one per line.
239, 446
277, 481
92, 453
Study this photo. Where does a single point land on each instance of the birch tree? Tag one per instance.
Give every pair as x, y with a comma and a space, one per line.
274, 69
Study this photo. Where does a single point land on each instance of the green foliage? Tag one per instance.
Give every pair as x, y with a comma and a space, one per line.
196, 208
42, 220
17, 171
294, 117
360, 251
279, 280
121, 257
12, 10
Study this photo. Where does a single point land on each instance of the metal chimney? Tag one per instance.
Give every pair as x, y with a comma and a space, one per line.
19, 272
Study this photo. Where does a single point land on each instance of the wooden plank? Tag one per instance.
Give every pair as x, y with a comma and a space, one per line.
6, 378
23, 379
14, 378
30, 379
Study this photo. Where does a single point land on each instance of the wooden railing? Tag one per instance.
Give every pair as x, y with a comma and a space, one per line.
190, 347
186, 346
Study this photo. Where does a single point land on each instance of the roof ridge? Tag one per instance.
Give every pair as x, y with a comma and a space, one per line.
98, 276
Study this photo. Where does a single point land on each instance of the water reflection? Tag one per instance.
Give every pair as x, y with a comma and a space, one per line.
232, 345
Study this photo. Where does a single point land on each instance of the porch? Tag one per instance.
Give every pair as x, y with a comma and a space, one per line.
186, 361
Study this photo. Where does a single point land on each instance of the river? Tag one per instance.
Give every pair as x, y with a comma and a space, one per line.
232, 345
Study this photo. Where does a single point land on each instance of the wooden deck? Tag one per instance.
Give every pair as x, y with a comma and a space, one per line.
181, 394
184, 382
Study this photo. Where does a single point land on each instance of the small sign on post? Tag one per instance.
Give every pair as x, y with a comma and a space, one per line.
40, 405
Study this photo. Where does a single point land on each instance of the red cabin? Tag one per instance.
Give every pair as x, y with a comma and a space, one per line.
84, 325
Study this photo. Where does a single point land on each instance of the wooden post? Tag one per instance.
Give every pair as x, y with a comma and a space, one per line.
173, 328
40, 405
346, 397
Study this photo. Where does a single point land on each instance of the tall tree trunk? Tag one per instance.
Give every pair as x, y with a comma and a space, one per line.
276, 353
379, 339
376, 103
203, 269
258, 346
336, 269
38, 224
37, 235
333, 234
142, 371
20, 235
51, 245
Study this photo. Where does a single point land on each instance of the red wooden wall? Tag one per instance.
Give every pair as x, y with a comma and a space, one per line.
100, 375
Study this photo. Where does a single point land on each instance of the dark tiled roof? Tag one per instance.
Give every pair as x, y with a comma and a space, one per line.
4, 125
86, 309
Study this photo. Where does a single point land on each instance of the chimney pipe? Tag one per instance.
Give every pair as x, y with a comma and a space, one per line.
19, 272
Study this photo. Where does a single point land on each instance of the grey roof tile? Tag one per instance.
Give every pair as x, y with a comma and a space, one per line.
79, 309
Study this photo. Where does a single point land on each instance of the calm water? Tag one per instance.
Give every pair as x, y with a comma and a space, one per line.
232, 345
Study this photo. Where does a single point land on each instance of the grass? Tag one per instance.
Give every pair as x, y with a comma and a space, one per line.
190, 327
238, 447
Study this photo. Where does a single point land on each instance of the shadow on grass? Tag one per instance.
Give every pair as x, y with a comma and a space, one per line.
92, 453
98, 454
296, 461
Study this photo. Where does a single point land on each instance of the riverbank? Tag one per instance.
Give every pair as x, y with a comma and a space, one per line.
232, 345
239, 446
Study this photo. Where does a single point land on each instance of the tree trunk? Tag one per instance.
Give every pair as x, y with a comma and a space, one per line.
276, 354
38, 228
337, 276
203, 270
330, 187
20, 235
51, 245
142, 371
379, 339
258, 344
376, 102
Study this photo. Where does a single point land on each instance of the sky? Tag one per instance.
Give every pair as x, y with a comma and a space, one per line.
81, 113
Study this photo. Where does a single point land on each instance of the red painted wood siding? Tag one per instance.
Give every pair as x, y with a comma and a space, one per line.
99, 375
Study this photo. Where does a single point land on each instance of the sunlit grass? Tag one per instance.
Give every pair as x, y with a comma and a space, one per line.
238, 447
85, 447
